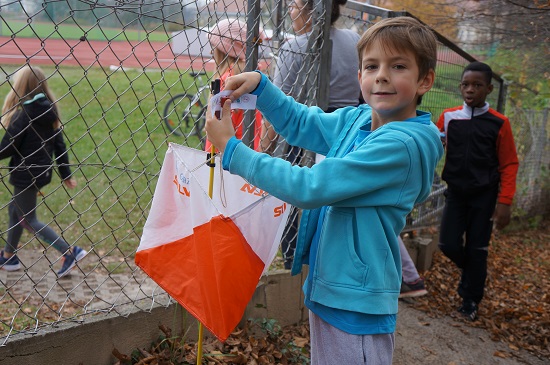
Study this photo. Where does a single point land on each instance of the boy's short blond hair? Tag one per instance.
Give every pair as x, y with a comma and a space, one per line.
403, 34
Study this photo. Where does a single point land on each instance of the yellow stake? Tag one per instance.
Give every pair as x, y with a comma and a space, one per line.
210, 194
199, 346
211, 182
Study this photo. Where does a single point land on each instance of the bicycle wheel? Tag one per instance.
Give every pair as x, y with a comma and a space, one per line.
183, 115
199, 127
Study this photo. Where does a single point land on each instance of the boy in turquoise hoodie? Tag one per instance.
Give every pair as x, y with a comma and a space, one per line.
380, 162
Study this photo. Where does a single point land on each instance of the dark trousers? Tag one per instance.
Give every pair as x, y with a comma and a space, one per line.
465, 232
290, 234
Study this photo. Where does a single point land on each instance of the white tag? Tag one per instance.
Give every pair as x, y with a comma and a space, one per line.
246, 101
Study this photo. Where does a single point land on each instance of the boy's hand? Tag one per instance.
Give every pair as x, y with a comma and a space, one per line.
242, 84
70, 183
501, 216
218, 131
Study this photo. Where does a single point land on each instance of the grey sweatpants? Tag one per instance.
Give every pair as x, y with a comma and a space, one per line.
22, 215
410, 274
331, 346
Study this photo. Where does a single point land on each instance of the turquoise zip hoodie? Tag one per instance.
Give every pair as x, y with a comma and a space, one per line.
369, 190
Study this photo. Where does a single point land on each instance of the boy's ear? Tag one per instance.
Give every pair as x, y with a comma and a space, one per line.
489, 89
426, 83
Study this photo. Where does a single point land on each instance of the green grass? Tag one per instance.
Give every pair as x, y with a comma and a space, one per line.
117, 140
49, 30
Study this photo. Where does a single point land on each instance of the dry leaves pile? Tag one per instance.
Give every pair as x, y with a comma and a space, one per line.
516, 306
515, 310
248, 346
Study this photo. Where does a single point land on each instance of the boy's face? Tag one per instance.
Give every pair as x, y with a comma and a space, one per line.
389, 83
474, 88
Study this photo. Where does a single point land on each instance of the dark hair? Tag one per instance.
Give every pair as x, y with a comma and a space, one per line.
335, 12
480, 67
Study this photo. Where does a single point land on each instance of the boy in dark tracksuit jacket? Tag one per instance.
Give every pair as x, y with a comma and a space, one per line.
481, 165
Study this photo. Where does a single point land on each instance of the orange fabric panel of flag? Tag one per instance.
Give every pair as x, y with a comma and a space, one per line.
212, 273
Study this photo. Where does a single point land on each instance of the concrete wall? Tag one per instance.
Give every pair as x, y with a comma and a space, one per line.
278, 296
421, 250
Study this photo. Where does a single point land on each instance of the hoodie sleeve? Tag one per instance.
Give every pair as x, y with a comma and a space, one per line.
11, 141
61, 155
300, 125
375, 174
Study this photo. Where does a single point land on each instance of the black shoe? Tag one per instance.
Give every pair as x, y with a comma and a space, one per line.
468, 309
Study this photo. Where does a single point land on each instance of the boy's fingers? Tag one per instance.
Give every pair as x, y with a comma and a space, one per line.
208, 111
242, 84
233, 82
226, 105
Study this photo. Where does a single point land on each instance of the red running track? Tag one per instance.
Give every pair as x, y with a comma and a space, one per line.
59, 52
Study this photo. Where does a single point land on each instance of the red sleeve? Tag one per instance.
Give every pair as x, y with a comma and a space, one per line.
508, 163
258, 131
441, 122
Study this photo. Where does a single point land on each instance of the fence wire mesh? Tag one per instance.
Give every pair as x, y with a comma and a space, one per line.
131, 76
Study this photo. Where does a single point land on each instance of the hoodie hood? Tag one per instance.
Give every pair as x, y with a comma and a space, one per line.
40, 110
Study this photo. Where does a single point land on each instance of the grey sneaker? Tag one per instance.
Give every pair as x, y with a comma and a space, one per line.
413, 289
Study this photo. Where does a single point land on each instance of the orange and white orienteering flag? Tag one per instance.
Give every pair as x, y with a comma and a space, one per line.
209, 254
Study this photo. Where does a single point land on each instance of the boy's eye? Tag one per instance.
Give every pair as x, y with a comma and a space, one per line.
370, 67
475, 86
400, 67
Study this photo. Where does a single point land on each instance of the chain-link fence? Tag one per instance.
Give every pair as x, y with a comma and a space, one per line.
131, 76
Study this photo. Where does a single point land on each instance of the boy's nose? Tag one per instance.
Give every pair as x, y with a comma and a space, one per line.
381, 79
381, 75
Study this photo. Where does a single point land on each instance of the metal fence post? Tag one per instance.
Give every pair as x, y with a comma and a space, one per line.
252, 41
